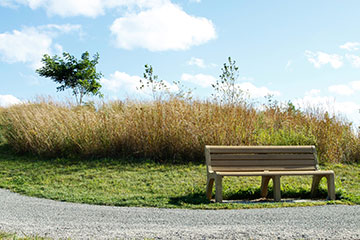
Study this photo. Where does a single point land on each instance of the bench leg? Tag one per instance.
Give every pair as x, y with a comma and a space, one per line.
264, 185
315, 184
331, 186
209, 187
277, 193
218, 188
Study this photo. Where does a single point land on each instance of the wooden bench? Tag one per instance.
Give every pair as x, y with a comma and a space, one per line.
270, 162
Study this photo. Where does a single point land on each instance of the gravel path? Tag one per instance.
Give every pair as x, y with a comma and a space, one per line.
55, 219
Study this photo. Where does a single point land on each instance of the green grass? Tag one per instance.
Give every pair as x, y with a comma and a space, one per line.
14, 236
127, 182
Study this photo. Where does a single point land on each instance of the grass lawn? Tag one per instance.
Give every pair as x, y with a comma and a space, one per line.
14, 236
126, 182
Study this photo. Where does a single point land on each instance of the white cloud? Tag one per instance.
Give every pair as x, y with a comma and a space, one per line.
121, 82
355, 85
313, 92
26, 46
350, 46
256, 92
200, 63
202, 80
88, 8
345, 89
288, 65
8, 100
354, 60
320, 58
165, 27
197, 62
341, 89
8, 3
348, 109
29, 44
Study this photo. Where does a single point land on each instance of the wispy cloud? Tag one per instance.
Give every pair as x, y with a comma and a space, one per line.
123, 83
313, 92
351, 46
354, 60
256, 92
288, 66
349, 109
345, 89
199, 62
341, 89
320, 58
88, 8
196, 62
202, 80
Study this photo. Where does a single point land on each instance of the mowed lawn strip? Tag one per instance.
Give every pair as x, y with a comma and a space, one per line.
129, 182
14, 236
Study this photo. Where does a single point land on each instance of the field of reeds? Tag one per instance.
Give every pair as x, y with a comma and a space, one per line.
174, 130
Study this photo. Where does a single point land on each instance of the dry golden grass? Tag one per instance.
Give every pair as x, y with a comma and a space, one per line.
170, 130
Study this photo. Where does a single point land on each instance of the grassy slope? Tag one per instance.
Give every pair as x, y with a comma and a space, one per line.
122, 182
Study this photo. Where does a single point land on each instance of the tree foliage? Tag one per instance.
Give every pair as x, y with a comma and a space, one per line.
78, 75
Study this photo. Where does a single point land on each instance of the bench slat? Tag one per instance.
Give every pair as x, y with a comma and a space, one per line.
260, 149
285, 162
274, 173
276, 156
261, 168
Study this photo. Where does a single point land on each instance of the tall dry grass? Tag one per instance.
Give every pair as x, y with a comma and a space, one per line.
173, 130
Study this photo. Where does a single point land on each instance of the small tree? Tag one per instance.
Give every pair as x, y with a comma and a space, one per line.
152, 82
226, 88
160, 89
69, 72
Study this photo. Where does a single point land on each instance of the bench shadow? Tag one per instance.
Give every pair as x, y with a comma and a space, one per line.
246, 196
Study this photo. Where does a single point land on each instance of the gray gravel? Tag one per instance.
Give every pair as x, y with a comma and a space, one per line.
42, 217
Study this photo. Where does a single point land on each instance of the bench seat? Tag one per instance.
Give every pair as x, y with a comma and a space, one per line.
269, 162
275, 173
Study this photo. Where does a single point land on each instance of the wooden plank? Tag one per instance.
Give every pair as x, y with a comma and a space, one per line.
245, 163
269, 168
262, 156
261, 149
274, 173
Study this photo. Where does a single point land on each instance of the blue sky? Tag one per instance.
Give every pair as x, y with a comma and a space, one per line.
304, 51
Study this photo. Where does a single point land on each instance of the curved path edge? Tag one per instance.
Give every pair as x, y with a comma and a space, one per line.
48, 218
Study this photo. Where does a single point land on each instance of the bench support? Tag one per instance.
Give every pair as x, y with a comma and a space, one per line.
209, 187
330, 185
276, 188
264, 185
218, 188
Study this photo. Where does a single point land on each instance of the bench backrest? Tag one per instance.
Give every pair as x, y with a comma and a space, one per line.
260, 158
